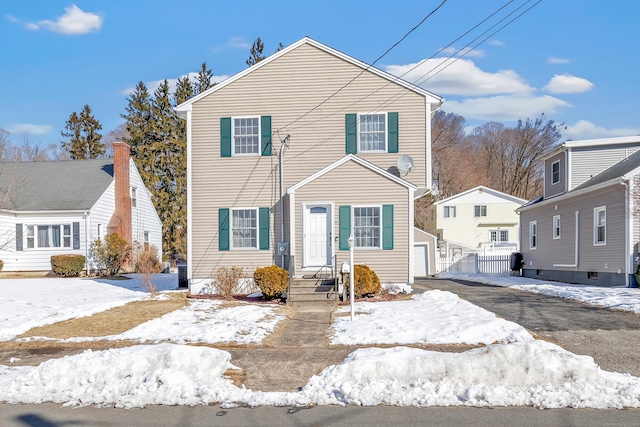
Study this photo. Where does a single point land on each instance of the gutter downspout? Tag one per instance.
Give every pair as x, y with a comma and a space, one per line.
627, 230
86, 243
575, 262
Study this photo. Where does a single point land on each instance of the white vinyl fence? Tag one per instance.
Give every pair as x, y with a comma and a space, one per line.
474, 264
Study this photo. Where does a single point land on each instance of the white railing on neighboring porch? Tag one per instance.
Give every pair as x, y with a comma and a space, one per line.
474, 264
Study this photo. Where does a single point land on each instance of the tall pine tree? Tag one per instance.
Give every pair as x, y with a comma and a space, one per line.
84, 140
202, 83
256, 52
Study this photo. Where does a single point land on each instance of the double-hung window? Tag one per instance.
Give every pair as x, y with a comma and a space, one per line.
372, 135
366, 227
499, 235
146, 239
555, 172
246, 135
600, 225
48, 236
449, 211
480, 210
556, 226
134, 197
244, 228
533, 235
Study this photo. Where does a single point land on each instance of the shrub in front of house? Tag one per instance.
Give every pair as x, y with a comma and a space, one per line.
146, 259
111, 253
68, 265
1, 265
272, 281
365, 281
225, 281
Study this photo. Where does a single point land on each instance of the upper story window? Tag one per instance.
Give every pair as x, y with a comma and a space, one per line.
533, 235
600, 225
244, 228
372, 135
48, 236
556, 226
366, 227
246, 135
555, 172
134, 197
449, 211
480, 210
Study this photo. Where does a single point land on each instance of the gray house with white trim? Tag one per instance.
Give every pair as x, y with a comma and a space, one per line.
585, 227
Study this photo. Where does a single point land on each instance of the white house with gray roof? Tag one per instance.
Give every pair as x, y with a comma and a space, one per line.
585, 227
61, 207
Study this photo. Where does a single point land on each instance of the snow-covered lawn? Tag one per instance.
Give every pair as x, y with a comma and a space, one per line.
619, 298
434, 317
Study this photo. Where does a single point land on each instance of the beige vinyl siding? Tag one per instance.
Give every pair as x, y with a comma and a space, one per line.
608, 258
368, 189
550, 189
286, 89
590, 161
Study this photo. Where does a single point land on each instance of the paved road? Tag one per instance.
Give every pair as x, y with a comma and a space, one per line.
611, 337
51, 415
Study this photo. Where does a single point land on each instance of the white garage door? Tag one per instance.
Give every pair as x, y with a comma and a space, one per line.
421, 260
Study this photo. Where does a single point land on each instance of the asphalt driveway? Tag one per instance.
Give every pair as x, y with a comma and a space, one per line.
611, 337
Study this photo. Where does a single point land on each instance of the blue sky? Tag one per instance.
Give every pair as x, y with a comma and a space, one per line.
574, 60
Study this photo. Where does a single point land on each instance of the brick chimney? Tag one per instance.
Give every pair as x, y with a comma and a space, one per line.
121, 220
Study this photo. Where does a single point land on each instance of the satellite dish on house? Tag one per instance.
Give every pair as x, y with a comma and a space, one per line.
405, 163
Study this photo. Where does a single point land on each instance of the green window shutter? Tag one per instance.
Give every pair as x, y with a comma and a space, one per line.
345, 227
18, 237
225, 137
264, 220
387, 227
223, 229
76, 235
392, 132
351, 130
265, 137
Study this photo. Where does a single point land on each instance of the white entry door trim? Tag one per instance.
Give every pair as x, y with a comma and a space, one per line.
317, 234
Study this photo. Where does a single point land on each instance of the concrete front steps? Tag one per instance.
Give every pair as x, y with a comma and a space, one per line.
309, 292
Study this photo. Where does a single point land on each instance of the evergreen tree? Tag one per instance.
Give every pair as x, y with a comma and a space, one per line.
256, 52
204, 81
84, 140
139, 126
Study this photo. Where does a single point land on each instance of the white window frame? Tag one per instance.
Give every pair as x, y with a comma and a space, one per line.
557, 230
231, 230
477, 211
134, 197
596, 211
553, 174
499, 234
33, 228
533, 235
100, 232
234, 136
146, 240
379, 226
448, 210
385, 131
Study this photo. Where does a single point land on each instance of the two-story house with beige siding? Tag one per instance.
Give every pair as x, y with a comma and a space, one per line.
474, 220
338, 126
584, 228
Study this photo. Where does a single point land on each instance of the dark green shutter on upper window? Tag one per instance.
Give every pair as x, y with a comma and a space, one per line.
392, 132
345, 227
18, 237
351, 130
387, 227
225, 137
223, 229
265, 138
264, 220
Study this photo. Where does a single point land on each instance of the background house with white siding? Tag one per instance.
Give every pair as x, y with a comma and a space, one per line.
476, 219
345, 125
585, 227
61, 207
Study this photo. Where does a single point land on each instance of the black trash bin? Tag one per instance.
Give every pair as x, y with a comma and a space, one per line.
182, 276
516, 261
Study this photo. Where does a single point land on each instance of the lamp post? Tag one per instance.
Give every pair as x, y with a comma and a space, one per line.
352, 271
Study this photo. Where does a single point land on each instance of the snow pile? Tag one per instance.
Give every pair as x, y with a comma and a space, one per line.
619, 298
433, 317
204, 321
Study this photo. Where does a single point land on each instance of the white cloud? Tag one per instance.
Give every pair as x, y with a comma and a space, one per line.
233, 43
466, 51
155, 84
506, 107
31, 26
585, 129
499, 43
460, 77
74, 21
555, 60
12, 19
29, 128
566, 83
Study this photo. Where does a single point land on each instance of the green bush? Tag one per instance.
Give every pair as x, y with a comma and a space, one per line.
272, 281
112, 253
68, 265
365, 281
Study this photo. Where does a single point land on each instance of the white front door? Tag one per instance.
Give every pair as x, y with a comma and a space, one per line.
317, 236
